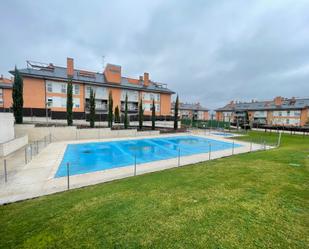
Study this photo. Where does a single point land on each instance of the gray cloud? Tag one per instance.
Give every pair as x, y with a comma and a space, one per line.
207, 51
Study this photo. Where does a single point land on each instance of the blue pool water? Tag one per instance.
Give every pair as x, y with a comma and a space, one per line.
90, 157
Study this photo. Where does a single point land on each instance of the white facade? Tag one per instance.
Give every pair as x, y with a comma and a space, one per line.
260, 114
60, 87
56, 101
286, 121
6, 127
200, 115
147, 106
287, 113
100, 92
227, 116
151, 96
132, 95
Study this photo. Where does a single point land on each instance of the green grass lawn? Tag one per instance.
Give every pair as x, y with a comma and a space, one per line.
255, 200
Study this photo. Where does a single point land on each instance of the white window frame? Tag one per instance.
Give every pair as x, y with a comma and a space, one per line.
49, 87
63, 88
76, 89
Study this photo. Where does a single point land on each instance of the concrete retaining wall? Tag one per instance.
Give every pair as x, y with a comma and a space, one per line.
13, 145
71, 133
42, 120
6, 127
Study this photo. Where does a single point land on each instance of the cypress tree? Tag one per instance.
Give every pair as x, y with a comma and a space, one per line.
126, 118
92, 108
193, 119
110, 110
117, 115
140, 115
153, 116
176, 114
17, 96
70, 102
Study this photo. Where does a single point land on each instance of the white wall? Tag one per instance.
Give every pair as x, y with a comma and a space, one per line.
6, 127
13, 145
71, 133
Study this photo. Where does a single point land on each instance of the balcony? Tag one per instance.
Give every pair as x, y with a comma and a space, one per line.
132, 107
98, 108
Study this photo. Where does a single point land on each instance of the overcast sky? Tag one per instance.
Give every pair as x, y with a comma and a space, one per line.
207, 51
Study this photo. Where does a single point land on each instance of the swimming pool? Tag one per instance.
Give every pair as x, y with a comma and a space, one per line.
95, 156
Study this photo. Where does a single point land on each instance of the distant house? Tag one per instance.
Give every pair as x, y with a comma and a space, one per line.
277, 112
191, 110
5, 93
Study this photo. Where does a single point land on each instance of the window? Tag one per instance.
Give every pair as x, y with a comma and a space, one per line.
63, 102
49, 87
157, 107
49, 102
76, 103
63, 88
76, 89
88, 90
288, 113
132, 95
151, 96
287, 121
280, 114
296, 113
1, 96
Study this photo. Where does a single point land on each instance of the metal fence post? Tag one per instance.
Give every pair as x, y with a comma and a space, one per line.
30, 152
68, 175
26, 154
279, 140
178, 157
135, 164
5, 171
264, 143
37, 147
233, 148
261, 143
209, 152
45, 141
250, 145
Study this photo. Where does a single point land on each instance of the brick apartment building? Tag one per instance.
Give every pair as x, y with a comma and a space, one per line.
278, 112
192, 110
45, 87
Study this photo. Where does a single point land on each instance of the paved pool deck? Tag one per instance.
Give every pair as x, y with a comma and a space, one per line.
37, 177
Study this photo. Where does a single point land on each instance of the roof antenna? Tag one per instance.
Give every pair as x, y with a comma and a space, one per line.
103, 61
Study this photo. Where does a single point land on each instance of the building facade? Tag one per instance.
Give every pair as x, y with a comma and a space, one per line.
5, 93
191, 111
45, 87
277, 112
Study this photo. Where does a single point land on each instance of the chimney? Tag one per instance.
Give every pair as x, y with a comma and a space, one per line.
278, 101
112, 73
146, 79
70, 67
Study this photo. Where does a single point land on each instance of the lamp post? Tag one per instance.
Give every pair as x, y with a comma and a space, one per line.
46, 112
